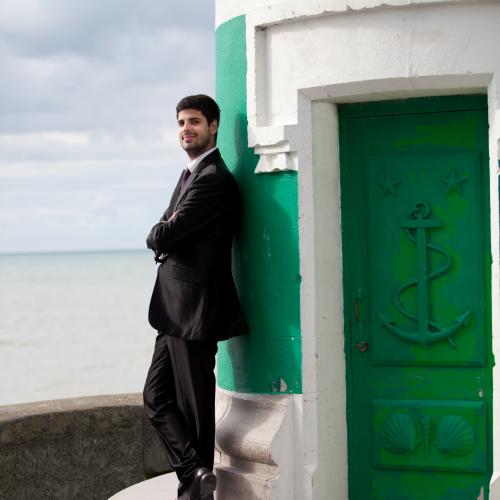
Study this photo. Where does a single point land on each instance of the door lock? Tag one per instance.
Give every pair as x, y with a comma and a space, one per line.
362, 345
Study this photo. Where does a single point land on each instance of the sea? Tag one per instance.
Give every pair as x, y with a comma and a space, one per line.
74, 324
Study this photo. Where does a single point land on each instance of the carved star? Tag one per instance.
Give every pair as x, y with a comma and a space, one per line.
454, 182
389, 185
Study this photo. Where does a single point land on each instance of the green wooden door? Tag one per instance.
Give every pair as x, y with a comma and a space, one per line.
416, 246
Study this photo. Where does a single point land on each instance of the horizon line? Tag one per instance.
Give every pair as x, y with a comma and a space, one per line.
82, 250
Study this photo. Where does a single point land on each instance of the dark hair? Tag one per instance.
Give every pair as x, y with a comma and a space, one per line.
208, 107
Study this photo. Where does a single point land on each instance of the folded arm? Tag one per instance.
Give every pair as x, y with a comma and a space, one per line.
205, 201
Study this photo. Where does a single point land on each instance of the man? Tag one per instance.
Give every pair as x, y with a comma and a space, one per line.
194, 302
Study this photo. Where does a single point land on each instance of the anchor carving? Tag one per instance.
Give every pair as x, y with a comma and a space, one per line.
427, 332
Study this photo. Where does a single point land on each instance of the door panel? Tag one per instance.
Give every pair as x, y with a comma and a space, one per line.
415, 224
429, 435
453, 260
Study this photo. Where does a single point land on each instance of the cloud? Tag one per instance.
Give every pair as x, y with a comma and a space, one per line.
60, 138
56, 212
52, 26
100, 65
93, 147
87, 112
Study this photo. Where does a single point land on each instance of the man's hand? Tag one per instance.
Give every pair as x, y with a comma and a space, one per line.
158, 254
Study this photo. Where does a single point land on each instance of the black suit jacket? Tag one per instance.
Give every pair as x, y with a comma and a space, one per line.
194, 297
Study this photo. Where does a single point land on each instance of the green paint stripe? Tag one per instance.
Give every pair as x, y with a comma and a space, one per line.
267, 269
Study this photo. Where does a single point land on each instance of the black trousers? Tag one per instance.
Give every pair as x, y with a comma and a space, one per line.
179, 400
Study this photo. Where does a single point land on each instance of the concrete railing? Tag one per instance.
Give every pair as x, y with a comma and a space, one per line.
83, 448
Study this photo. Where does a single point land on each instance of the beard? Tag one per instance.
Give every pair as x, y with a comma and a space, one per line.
198, 146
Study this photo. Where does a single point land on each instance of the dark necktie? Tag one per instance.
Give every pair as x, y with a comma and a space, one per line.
185, 175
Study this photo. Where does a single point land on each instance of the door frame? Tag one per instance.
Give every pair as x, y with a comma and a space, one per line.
323, 407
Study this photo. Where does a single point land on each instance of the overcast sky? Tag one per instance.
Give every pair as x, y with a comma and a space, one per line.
88, 141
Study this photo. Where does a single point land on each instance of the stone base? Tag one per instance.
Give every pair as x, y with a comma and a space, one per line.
234, 482
255, 440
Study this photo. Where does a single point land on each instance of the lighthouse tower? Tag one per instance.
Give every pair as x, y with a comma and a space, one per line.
365, 137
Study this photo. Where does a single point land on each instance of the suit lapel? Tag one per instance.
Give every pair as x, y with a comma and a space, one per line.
185, 187
211, 158
173, 200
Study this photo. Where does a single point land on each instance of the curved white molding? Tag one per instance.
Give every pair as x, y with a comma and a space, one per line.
255, 439
249, 424
286, 9
277, 147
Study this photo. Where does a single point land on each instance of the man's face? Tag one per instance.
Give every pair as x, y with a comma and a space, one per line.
196, 135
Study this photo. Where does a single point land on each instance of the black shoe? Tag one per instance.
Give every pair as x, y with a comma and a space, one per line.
202, 487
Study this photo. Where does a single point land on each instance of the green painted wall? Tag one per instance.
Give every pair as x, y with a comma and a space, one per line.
267, 248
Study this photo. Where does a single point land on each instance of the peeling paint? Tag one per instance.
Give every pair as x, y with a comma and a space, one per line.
283, 386
279, 385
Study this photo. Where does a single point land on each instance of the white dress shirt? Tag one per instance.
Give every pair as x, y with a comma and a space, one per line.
194, 163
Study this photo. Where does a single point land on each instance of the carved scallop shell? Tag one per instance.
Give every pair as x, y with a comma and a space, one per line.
398, 434
455, 436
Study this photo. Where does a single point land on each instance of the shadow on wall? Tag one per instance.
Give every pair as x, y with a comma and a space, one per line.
266, 269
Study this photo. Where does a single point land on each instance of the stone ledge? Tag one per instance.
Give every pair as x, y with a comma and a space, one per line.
82, 448
25, 422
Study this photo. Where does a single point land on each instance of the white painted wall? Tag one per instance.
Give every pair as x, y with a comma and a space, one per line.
277, 10
303, 58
